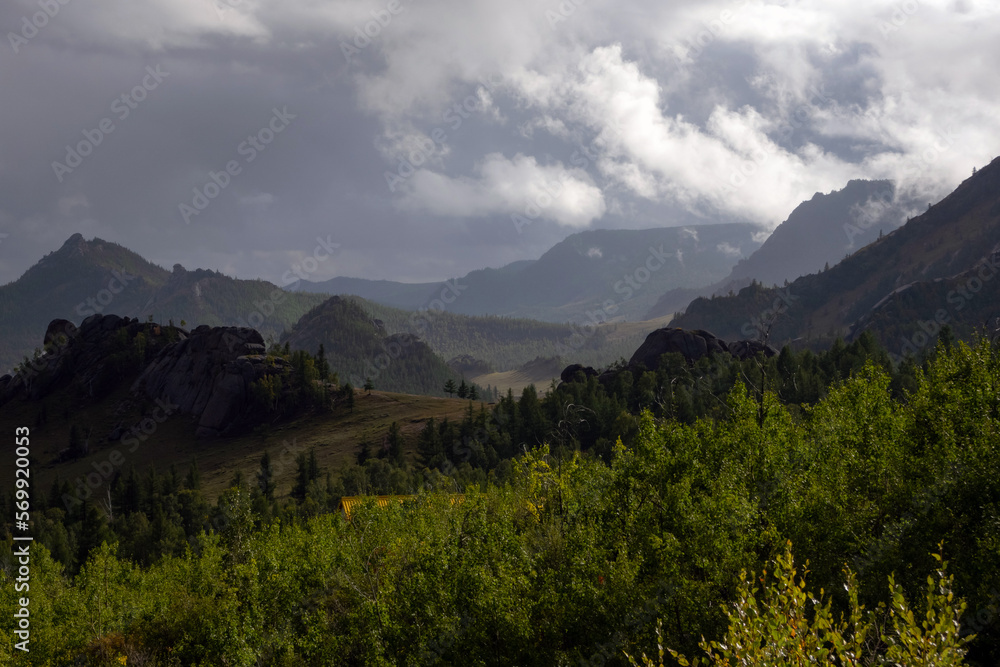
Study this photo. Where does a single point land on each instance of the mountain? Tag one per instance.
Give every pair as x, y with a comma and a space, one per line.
623, 271
404, 351
936, 269
83, 278
358, 348
819, 232
408, 296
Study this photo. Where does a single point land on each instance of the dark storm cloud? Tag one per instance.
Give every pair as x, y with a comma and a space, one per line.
571, 115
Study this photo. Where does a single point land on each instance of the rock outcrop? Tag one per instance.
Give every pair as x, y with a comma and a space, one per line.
206, 373
85, 358
691, 344
569, 373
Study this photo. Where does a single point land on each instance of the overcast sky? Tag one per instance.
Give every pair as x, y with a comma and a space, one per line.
457, 135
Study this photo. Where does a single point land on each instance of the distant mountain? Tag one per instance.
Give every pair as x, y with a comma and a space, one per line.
938, 268
86, 277
819, 232
626, 269
359, 349
408, 296
823, 231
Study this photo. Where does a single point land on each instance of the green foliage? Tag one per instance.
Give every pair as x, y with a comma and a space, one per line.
786, 625
568, 551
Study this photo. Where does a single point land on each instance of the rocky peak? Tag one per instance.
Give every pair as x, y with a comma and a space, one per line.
205, 373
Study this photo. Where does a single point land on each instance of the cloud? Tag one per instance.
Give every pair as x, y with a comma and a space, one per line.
729, 250
652, 113
504, 186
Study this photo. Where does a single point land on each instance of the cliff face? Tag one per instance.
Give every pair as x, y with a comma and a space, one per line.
205, 373
208, 373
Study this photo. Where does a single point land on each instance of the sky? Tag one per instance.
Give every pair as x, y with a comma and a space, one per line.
417, 140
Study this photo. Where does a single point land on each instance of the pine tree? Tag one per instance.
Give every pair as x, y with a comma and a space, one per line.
265, 476
463, 389
449, 387
369, 385
313, 465
322, 365
473, 393
364, 451
349, 397
429, 442
395, 442
306, 470
193, 479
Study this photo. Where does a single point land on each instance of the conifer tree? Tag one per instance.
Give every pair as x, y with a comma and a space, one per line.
322, 365
265, 476
349, 397
395, 441
364, 451
193, 479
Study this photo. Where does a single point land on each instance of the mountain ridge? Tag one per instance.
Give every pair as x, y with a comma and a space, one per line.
949, 239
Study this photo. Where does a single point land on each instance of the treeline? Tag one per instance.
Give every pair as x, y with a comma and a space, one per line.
570, 546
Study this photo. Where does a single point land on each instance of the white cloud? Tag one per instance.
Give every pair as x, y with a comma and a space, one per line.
729, 250
729, 165
509, 186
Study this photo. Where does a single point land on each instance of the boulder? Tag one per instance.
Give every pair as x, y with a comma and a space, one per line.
569, 373
693, 345
59, 332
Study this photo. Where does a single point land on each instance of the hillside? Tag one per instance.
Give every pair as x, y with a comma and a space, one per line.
581, 274
86, 277
112, 383
919, 265
359, 348
819, 232
335, 437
